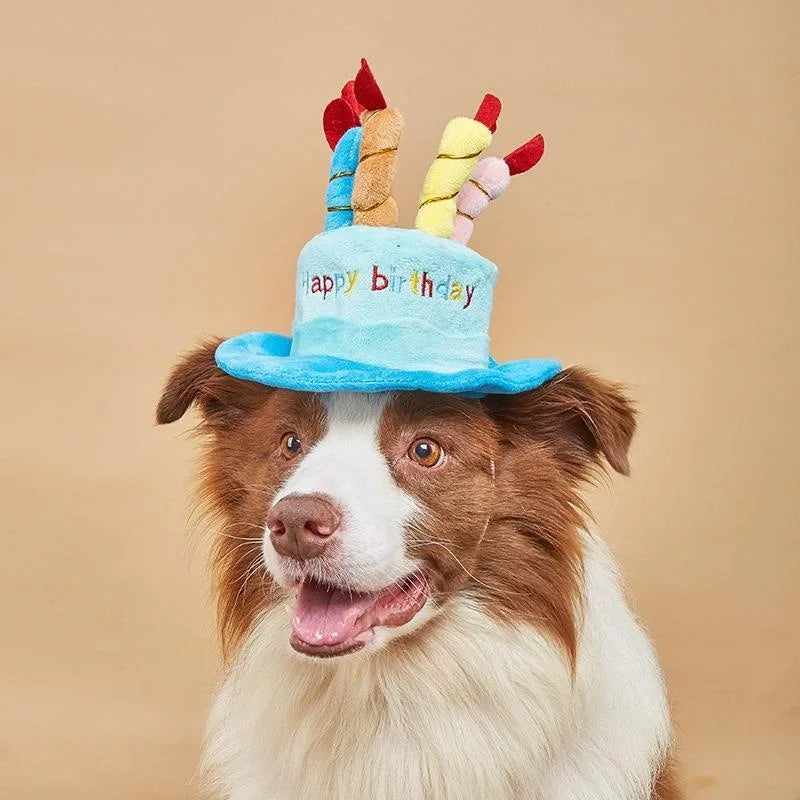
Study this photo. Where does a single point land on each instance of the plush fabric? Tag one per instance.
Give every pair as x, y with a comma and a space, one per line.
462, 143
489, 179
489, 111
264, 358
337, 118
349, 96
395, 298
526, 156
397, 345
373, 203
338, 197
385, 308
366, 89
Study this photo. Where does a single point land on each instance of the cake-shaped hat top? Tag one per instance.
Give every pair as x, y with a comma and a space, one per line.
364, 135
385, 308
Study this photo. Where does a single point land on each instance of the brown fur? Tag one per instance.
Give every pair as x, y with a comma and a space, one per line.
576, 417
530, 562
550, 441
455, 496
242, 424
506, 533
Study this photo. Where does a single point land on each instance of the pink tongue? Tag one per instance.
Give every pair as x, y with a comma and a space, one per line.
326, 616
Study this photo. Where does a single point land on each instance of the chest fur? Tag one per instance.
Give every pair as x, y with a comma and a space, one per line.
451, 713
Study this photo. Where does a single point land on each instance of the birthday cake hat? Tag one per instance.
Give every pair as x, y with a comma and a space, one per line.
385, 308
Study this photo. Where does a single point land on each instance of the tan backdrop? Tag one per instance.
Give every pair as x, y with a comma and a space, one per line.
161, 164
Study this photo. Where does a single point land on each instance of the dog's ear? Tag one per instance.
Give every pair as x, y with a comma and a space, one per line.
197, 379
576, 414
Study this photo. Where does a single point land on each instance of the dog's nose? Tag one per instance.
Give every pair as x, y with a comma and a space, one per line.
301, 526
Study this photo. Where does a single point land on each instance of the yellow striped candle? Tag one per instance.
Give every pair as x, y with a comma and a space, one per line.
462, 143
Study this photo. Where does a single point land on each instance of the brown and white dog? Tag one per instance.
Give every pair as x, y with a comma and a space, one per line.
410, 603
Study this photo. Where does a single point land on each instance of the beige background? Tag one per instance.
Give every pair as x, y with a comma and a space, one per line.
161, 163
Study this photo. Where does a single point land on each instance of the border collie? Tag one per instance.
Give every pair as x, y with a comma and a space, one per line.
411, 600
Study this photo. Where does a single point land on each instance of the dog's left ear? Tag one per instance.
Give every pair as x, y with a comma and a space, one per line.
576, 414
197, 380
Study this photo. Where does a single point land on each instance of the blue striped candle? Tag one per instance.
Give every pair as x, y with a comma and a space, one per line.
339, 195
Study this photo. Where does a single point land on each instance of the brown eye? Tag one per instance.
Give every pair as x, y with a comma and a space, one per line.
291, 446
426, 453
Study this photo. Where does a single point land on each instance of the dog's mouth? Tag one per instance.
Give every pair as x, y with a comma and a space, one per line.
331, 621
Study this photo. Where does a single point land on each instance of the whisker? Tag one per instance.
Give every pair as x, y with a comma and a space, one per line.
224, 535
251, 570
226, 554
433, 543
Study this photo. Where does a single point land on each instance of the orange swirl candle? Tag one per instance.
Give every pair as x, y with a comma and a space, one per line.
373, 203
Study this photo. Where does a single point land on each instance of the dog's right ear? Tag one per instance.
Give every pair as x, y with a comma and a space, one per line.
197, 379
577, 414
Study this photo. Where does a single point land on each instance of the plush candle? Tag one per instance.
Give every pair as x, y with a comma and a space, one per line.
373, 203
462, 143
338, 196
366, 92
338, 118
526, 156
343, 133
490, 178
349, 96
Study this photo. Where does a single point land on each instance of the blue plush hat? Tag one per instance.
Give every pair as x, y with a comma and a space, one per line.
384, 308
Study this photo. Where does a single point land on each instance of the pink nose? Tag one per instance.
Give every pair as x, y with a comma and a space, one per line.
301, 526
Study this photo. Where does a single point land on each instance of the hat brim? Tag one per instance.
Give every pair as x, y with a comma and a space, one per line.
266, 358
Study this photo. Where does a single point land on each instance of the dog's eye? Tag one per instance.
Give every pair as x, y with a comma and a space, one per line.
426, 452
291, 446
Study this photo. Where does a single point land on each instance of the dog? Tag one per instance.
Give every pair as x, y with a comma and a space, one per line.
412, 602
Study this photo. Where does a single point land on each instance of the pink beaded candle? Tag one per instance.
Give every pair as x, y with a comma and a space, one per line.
490, 178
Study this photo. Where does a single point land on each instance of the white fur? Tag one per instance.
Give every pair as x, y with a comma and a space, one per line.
347, 464
469, 709
619, 717
455, 713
